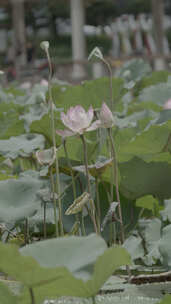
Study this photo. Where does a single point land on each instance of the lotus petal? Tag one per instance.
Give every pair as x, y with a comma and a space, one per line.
65, 133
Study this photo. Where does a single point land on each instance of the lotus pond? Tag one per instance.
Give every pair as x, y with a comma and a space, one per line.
85, 190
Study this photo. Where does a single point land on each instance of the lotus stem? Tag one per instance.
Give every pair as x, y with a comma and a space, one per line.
44, 221
93, 217
54, 202
26, 233
72, 177
111, 85
71, 171
54, 144
116, 182
98, 204
32, 295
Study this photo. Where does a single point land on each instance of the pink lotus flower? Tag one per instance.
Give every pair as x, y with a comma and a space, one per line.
106, 117
78, 121
167, 105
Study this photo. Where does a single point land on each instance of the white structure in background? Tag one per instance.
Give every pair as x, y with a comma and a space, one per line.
3, 39
132, 36
123, 29
78, 38
134, 26
146, 27
115, 40
3, 32
19, 38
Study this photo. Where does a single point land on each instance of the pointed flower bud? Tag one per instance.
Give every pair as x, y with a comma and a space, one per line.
106, 117
167, 105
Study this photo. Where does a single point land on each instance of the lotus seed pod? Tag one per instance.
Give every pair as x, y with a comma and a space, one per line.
44, 45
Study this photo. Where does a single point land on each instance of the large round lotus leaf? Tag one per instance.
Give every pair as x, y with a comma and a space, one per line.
165, 115
78, 254
154, 78
139, 178
50, 283
89, 93
18, 198
10, 124
134, 70
22, 145
159, 93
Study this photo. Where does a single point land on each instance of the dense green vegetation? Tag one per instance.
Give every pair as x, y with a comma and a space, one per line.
49, 205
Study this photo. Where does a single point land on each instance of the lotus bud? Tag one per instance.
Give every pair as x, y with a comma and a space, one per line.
167, 105
106, 117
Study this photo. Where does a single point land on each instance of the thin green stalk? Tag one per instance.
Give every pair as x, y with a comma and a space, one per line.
83, 230
71, 171
116, 181
44, 221
32, 295
111, 85
54, 144
54, 202
26, 233
72, 177
98, 204
93, 217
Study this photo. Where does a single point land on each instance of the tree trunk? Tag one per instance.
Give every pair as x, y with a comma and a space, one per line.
19, 38
77, 10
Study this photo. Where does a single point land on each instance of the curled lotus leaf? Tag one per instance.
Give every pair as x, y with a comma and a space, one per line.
46, 157
110, 215
78, 204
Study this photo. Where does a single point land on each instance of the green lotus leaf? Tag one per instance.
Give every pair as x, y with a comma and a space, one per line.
10, 123
88, 93
18, 198
23, 145
166, 300
78, 204
43, 126
159, 93
75, 253
134, 246
25, 269
134, 70
148, 202
6, 296
154, 78
150, 231
151, 141
165, 115
139, 178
